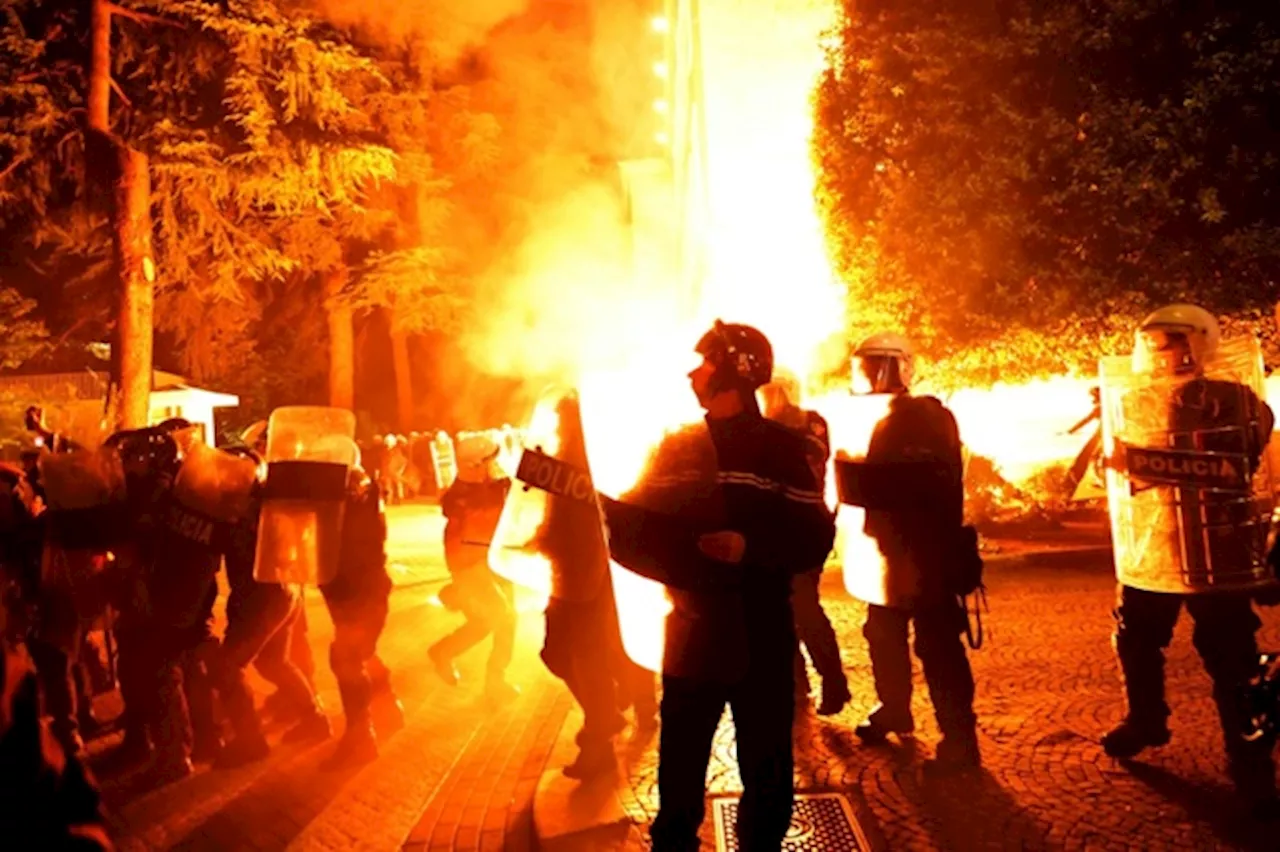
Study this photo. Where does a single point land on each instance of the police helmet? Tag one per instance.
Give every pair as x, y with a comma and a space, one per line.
1178, 338
742, 356
883, 362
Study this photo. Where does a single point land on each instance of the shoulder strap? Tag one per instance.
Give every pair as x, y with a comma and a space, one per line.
974, 634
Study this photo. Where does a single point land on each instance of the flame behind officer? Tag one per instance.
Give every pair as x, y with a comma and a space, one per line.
914, 546
730, 512
780, 402
1209, 535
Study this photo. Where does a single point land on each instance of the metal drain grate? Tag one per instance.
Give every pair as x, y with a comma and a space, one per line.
820, 822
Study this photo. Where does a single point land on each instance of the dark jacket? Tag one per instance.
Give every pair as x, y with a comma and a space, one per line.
471, 511
916, 542
744, 474
362, 565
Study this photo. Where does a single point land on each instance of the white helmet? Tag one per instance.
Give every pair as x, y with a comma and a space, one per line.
1176, 337
477, 456
879, 346
782, 390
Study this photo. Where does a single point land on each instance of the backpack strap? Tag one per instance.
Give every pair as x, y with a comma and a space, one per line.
974, 635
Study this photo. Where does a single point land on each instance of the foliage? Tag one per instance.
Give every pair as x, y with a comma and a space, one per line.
1037, 174
21, 337
281, 151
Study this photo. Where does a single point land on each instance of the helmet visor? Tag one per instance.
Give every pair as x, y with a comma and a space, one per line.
1163, 350
876, 372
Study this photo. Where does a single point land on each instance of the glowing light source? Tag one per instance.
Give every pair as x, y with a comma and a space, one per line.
660, 24
660, 107
661, 138
660, 70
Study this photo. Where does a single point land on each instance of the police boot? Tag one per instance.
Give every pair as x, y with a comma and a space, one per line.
956, 753
357, 747
880, 724
242, 751
169, 766
312, 728
1131, 737
388, 713
206, 748
443, 665
594, 758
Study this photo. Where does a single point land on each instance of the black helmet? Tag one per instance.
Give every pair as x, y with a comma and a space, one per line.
741, 355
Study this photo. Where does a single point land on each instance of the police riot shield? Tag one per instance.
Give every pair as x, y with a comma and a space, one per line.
310, 451
443, 460
550, 537
215, 483
1189, 487
851, 420
86, 495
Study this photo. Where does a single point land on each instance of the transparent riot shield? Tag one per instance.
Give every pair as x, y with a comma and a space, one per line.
86, 495
679, 480
215, 483
443, 460
550, 537
851, 420
1190, 487
310, 451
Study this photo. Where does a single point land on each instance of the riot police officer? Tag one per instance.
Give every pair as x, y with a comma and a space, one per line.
1195, 536
260, 618
725, 515
471, 506
917, 546
780, 400
358, 605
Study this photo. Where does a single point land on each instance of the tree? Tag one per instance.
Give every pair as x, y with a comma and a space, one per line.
21, 337
1034, 173
257, 139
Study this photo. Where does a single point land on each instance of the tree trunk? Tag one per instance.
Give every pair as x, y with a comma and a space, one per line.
342, 348
404, 378
130, 216
131, 232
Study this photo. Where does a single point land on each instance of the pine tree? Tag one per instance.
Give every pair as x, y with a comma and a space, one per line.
254, 125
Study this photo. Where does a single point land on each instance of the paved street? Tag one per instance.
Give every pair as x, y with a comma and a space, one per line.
463, 776
1047, 688
460, 775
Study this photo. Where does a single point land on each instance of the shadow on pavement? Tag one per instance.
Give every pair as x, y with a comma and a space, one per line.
958, 811
1217, 806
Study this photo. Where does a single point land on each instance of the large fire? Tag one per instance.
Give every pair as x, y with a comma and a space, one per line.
765, 265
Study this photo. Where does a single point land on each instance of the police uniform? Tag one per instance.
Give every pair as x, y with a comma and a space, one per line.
731, 635
358, 605
260, 618
1225, 622
916, 547
471, 511
812, 625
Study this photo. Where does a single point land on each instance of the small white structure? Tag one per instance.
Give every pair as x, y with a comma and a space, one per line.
73, 401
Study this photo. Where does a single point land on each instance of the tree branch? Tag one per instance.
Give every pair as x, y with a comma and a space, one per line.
140, 17
115, 87
9, 169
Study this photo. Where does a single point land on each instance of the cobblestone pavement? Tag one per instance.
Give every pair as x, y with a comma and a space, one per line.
470, 767
1046, 690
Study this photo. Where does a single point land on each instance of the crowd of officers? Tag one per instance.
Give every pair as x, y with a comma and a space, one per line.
149, 563
729, 515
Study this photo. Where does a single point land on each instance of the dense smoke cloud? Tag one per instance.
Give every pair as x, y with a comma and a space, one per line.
567, 84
